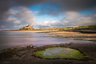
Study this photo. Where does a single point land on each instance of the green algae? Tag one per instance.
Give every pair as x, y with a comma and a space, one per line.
60, 52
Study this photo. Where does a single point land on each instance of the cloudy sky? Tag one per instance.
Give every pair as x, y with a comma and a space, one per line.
15, 14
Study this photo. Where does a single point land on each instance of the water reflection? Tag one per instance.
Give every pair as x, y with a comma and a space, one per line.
13, 39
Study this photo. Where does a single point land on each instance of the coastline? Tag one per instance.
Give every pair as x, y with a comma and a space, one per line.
24, 54
76, 35
19, 31
40, 31
65, 34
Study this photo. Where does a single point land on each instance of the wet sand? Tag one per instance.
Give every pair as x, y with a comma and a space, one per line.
76, 35
65, 33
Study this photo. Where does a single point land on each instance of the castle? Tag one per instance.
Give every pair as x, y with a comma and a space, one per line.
28, 27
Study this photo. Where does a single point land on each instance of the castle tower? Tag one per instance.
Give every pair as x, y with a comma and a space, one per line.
28, 27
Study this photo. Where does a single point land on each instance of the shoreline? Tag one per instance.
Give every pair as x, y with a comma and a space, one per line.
17, 55
24, 55
64, 34
21, 31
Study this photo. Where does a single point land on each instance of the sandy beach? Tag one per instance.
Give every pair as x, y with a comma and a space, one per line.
65, 34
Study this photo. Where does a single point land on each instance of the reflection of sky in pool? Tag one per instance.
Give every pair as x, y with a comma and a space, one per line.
56, 51
60, 52
13, 39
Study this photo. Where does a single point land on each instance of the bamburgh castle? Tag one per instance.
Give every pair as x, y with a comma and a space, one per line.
28, 27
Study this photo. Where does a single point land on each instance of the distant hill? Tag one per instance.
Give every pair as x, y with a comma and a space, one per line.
89, 27
84, 29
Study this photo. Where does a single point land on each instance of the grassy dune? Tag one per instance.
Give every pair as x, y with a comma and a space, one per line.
88, 28
85, 29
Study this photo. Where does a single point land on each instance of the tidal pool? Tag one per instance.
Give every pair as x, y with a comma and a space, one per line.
60, 52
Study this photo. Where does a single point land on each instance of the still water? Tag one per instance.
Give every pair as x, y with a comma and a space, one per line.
13, 39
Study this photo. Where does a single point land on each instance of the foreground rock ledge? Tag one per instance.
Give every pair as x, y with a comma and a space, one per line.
25, 55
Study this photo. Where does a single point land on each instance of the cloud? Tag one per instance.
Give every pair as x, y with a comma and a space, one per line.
5, 5
65, 7
73, 19
26, 15
17, 16
47, 23
75, 5
68, 5
13, 20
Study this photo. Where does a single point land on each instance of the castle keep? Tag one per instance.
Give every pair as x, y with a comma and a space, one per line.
27, 28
